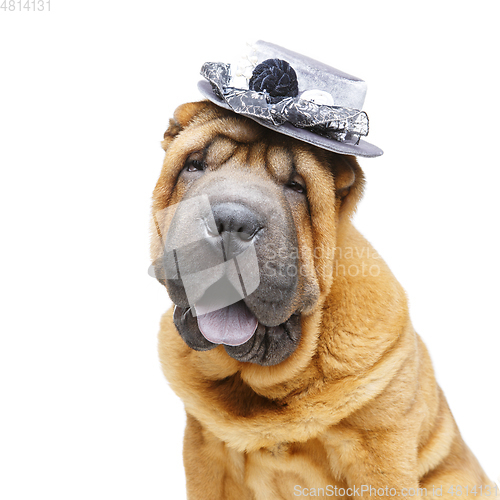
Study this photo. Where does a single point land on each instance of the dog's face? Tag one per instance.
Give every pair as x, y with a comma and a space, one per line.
245, 227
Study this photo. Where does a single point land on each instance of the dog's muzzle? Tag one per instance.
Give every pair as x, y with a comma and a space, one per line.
230, 266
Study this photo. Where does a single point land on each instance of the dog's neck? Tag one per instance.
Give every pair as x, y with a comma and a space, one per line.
328, 364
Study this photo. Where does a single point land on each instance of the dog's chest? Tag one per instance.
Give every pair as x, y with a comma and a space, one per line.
291, 469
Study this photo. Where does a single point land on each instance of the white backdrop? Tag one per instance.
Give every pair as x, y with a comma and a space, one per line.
86, 91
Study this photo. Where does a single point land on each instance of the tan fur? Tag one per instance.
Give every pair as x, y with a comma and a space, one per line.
357, 403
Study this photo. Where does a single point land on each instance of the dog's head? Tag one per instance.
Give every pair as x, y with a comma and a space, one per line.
245, 224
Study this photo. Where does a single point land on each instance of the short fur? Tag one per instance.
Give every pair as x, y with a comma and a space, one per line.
357, 403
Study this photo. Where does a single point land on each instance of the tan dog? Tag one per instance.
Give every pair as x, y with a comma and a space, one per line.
351, 406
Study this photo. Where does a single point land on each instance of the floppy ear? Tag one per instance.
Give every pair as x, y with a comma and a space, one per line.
183, 115
349, 183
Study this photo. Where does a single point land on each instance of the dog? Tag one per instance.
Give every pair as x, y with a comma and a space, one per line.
319, 386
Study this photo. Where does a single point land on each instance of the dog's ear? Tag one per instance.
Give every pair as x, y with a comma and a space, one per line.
183, 115
349, 183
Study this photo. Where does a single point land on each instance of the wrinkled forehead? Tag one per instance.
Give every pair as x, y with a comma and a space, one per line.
228, 140
269, 156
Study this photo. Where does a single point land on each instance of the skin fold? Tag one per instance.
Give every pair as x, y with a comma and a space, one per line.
354, 401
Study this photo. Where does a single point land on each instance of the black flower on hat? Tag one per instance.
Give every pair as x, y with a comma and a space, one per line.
276, 78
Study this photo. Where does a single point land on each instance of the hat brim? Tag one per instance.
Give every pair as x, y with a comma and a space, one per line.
363, 148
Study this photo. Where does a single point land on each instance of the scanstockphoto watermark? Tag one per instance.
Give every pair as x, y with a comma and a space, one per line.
327, 252
25, 6
328, 261
365, 490
272, 268
196, 254
199, 253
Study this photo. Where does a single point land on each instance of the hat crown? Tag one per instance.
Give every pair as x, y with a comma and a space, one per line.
347, 91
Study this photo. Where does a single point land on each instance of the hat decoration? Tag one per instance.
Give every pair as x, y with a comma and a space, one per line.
275, 77
273, 95
294, 95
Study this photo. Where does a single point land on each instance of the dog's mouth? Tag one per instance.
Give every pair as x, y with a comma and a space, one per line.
232, 325
236, 328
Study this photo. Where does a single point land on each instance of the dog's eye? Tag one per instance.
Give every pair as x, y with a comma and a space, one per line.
297, 187
195, 166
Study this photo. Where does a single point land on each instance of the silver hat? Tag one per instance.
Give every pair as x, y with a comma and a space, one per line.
294, 95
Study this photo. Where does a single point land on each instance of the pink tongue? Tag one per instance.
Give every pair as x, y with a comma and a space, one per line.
231, 325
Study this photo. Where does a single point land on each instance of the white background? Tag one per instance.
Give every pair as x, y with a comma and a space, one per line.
86, 92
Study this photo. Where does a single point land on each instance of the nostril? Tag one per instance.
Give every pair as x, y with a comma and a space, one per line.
244, 236
238, 219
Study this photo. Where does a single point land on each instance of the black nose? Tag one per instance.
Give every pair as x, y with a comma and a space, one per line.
236, 224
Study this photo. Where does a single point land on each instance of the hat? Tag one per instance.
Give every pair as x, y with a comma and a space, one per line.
294, 95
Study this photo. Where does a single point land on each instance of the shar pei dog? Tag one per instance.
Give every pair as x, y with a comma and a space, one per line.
290, 342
